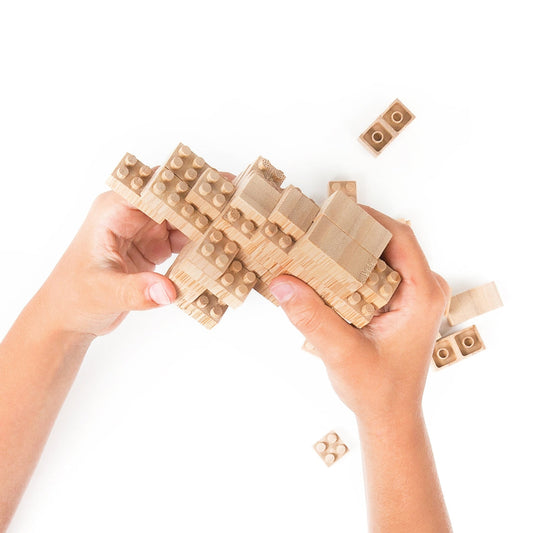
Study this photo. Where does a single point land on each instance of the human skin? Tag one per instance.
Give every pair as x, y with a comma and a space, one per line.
108, 271
379, 372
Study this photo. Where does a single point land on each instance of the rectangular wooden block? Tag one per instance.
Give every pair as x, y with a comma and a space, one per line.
210, 193
294, 213
457, 346
380, 285
348, 187
386, 127
255, 197
206, 309
356, 222
130, 178
473, 302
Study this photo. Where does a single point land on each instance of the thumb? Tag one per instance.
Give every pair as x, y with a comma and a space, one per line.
331, 335
144, 290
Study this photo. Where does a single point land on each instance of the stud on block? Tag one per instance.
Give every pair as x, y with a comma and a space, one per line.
380, 285
348, 187
457, 346
236, 226
331, 448
473, 302
397, 116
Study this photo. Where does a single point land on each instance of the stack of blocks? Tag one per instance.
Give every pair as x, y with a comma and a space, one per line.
246, 232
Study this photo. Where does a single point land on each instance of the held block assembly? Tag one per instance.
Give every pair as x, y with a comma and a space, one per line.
245, 232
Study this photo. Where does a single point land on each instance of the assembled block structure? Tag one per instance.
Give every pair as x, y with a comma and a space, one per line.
245, 232
386, 127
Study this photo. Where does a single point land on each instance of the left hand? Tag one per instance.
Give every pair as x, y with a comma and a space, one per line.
108, 269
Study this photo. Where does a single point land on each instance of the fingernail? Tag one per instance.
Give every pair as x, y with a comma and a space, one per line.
283, 292
158, 294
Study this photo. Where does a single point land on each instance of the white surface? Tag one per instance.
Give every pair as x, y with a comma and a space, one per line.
172, 428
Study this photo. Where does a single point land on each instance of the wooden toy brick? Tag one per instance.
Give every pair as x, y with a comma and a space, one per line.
348, 187
473, 302
255, 196
380, 285
457, 346
331, 448
397, 116
206, 309
294, 213
386, 127
270, 246
188, 288
216, 252
235, 226
356, 222
267, 171
210, 193
261, 287
129, 179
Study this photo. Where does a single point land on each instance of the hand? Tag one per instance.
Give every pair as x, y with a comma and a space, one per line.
379, 371
108, 269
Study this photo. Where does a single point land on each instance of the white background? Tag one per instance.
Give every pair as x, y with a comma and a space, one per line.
170, 427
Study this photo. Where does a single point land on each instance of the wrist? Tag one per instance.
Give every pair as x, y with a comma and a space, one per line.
392, 426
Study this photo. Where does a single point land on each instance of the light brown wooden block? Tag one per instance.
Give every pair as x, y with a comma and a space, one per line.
380, 285
294, 213
266, 170
129, 179
215, 253
210, 193
386, 127
356, 222
348, 187
255, 197
270, 246
397, 116
331, 448
235, 226
206, 309
456, 346
473, 302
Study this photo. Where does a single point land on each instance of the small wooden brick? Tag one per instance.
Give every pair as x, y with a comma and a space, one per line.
473, 302
210, 193
386, 127
255, 197
294, 213
331, 448
216, 252
206, 309
356, 222
380, 285
348, 187
129, 179
457, 346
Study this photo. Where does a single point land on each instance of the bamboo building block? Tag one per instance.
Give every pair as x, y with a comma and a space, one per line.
331, 448
472, 303
245, 233
348, 187
129, 179
456, 346
386, 127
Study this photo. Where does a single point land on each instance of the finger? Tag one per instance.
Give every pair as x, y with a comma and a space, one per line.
138, 259
334, 338
446, 291
134, 292
177, 241
403, 253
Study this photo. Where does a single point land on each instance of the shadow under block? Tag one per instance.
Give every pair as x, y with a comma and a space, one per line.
457, 346
472, 303
349, 188
331, 448
386, 127
245, 233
